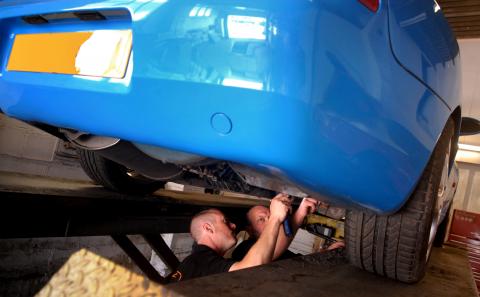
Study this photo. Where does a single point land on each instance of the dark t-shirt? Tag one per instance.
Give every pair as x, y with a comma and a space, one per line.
202, 262
242, 249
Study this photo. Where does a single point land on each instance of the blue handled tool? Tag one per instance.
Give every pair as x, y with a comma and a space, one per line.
286, 223
287, 228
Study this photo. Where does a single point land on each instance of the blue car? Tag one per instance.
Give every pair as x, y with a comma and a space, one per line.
352, 102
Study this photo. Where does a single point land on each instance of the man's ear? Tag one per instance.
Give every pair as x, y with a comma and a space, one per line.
207, 227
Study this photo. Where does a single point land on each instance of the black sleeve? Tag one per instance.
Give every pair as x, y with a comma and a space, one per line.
218, 265
242, 249
201, 265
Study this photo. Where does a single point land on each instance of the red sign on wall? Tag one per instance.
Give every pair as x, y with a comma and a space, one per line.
465, 233
465, 224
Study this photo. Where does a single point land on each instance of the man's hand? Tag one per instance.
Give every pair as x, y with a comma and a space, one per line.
279, 207
263, 250
336, 245
308, 206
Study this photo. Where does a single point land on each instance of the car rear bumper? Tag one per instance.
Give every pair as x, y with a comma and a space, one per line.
315, 97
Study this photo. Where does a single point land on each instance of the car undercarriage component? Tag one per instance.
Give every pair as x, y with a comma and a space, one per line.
114, 165
88, 141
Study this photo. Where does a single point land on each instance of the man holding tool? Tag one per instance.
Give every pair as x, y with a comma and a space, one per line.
257, 218
214, 235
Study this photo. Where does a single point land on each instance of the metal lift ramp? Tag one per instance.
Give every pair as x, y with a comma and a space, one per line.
326, 274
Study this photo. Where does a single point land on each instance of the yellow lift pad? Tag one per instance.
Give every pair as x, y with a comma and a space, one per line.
339, 226
101, 53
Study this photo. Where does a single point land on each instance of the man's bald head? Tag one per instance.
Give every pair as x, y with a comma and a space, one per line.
207, 216
211, 228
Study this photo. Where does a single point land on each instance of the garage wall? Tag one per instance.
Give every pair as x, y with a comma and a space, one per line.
18, 139
28, 150
468, 191
470, 98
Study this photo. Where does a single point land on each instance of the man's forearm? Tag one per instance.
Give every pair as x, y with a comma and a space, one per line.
263, 250
283, 241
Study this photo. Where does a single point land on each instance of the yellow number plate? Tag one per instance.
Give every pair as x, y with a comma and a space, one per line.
102, 53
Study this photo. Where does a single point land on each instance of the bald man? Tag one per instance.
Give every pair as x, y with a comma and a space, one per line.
214, 235
258, 217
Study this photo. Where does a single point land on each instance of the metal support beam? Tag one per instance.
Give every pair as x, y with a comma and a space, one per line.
157, 243
27, 215
131, 250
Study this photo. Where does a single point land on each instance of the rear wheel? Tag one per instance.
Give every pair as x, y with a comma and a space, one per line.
442, 229
114, 176
398, 246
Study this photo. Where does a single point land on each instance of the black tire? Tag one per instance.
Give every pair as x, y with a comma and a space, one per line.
114, 176
397, 246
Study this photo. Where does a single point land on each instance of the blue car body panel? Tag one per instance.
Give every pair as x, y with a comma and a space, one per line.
309, 91
425, 45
